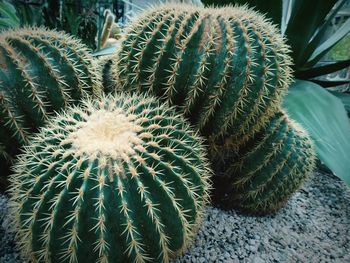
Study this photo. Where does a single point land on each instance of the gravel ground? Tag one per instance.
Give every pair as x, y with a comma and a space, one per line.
314, 226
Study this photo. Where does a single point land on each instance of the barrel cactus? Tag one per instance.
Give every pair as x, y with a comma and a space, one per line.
41, 71
120, 179
225, 68
267, 169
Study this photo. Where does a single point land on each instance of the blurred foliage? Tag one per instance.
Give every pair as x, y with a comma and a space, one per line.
341, 51
8, 16
82, 18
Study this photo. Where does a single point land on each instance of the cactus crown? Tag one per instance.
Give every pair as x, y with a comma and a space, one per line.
225, 68
41, 71
114, 140
122, 179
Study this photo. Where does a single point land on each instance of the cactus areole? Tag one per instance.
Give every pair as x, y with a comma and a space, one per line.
122, 179
225, 68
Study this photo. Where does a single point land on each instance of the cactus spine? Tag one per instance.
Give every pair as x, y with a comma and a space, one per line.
191, 2
226, 69
268, 168
122, 179
41, 71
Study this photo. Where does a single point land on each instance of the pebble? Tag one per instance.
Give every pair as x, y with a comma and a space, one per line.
253, 248
258, 260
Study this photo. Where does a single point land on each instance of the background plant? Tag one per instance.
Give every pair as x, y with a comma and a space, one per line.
8, 16
80, 18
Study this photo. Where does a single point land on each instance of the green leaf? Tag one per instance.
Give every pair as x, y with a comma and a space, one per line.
73, 19
305, 18
322, 30
330, 83
5, 23
322, 49
324, 117
8, 10
322, 70
29, 14
286, 7
8, 14
344, 97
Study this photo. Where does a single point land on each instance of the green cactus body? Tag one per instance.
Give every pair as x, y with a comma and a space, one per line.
41, 71
269, 168
108, 81
225, 68
121, 179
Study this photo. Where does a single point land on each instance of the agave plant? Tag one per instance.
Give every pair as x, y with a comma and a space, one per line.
8, 16
310, 101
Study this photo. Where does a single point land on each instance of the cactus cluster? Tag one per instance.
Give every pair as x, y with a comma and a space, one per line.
226, 69
119, 179
124, 178
270, 167
41, 71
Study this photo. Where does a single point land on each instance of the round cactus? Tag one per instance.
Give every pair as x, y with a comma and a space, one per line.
41, 71
226, 69
265, 171
121, 179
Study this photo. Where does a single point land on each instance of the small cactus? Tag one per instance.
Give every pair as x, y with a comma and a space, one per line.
41, 71
110, 29
107, 27
270, 167
121, 179
108, 81
225, 68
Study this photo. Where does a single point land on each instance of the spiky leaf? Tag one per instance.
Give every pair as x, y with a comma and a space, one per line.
324, 117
